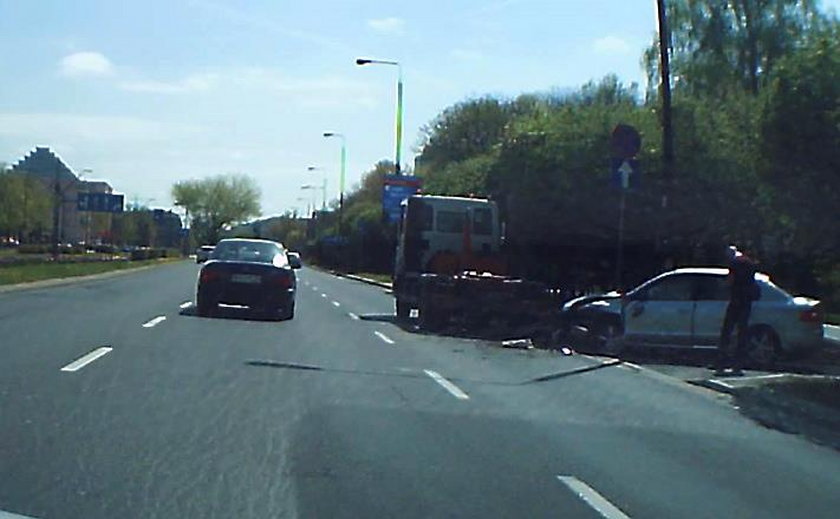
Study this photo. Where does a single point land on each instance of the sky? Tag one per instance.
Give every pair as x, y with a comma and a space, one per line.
148, 93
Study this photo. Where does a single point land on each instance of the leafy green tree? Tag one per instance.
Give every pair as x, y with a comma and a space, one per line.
216, 202
718, 47
25, 205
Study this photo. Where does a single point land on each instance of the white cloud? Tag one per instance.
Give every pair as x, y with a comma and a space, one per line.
190, 84
611, 45
82, 64
390, 25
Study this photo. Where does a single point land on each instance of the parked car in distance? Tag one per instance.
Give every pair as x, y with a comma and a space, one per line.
202, 253
248, 272
684, 308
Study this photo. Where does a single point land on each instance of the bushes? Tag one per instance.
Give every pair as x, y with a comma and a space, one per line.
148, 253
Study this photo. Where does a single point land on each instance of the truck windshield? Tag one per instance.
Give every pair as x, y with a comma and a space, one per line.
450, 221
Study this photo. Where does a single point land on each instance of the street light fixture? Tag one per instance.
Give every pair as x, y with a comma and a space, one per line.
368, 61
341, 177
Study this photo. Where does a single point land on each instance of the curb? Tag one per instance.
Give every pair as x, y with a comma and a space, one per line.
361, 279
59, 282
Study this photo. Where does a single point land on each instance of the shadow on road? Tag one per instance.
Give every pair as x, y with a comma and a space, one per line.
241, 314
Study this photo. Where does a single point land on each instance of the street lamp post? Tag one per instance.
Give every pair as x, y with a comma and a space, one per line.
341, 177
399, 116
323, 187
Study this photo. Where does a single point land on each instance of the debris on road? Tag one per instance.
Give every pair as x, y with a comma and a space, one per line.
521, 344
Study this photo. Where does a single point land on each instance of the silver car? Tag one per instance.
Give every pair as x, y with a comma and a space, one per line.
685, 308
202, 253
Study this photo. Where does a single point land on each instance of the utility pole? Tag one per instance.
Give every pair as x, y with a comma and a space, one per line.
665, 92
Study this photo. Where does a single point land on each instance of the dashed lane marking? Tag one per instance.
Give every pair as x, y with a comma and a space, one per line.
447, 385
81, 362
157, 320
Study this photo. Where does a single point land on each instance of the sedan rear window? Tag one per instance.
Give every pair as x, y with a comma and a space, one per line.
246, 251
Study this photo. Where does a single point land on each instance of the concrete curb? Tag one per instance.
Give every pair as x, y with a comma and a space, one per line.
361, 279
59, 282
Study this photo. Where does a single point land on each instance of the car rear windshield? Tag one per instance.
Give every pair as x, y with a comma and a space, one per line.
246, 251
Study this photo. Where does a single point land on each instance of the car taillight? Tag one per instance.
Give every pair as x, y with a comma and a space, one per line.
209, 275
811, 315
283, 281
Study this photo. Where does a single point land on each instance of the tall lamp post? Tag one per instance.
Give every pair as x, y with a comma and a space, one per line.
341, 177
367, 61
323, 187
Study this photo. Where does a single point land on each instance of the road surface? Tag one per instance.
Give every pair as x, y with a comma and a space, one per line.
118, 402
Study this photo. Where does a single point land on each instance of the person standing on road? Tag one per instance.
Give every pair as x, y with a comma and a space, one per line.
743, 291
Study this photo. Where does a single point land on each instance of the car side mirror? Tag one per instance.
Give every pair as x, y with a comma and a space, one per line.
294, 260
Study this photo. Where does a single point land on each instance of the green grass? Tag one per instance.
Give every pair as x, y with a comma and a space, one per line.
13, 274
832, 318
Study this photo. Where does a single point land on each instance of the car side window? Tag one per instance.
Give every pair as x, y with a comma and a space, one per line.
712, 288
672, 288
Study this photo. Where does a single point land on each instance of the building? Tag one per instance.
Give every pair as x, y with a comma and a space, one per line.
74, 225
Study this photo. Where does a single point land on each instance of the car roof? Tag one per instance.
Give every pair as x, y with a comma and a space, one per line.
250, 240
714, 271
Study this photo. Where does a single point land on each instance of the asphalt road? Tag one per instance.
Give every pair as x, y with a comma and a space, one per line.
341, 413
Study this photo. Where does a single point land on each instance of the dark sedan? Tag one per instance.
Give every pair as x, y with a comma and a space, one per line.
253, 273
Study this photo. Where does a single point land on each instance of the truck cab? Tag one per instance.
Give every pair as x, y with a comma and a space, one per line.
443, 235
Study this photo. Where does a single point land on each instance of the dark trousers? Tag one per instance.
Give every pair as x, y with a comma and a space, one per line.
737, 315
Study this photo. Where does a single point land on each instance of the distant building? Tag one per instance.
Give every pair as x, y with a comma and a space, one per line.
74, 226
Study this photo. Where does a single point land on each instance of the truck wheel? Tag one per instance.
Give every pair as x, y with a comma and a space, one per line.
429, 319
403, 309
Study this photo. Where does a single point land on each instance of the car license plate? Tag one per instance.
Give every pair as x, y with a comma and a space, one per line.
250, 279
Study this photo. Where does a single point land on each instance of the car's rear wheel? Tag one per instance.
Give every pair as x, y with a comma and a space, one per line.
763, 346
608, 334
288, 314
205, 308
403, 309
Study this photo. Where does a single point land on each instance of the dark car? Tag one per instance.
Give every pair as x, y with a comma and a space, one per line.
252, 273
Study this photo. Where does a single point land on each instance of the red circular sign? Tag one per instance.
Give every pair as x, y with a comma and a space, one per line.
625, 141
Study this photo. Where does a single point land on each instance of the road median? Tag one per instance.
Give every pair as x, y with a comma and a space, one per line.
49, 274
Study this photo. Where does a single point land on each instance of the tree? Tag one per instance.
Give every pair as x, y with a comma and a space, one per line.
718, 47
216, 202
25, 205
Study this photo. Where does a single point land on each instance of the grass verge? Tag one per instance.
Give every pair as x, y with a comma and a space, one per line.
14, 274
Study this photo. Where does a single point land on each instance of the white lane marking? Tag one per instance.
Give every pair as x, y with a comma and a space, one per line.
592, 498
336, 304
353, 316
314, 287
185, 304
81, 362
447, 385
323, 295
384, 337
157, 320
10, 515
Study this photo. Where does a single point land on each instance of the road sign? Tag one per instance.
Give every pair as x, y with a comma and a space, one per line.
625, 141
397, 188
625, 173
100, 202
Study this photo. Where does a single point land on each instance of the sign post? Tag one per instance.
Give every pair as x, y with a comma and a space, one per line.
625, 143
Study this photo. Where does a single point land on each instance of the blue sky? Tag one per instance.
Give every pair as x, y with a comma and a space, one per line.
149, 93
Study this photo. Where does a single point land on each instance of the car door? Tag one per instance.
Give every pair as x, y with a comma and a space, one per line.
661, 311
712, 296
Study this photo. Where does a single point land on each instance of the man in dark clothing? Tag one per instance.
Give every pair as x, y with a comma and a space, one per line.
743, 291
